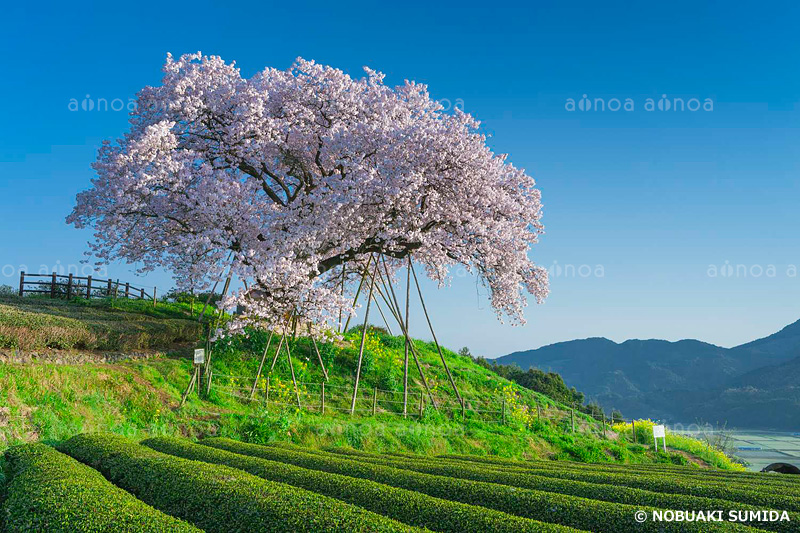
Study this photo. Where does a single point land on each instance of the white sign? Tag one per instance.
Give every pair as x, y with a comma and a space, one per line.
199, 356
660, 433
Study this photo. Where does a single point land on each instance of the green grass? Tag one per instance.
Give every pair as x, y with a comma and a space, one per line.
139, 398
37, 323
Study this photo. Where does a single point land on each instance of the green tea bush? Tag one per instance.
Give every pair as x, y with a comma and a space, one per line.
219, 498
407, 506
594, 491
52, 492
580, 513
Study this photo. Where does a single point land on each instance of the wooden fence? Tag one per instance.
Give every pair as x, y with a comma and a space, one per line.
71, 286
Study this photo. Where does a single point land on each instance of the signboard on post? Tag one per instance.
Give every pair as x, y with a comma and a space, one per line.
199, 356
660, 432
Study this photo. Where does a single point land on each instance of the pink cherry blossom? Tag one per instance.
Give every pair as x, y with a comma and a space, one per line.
298, 174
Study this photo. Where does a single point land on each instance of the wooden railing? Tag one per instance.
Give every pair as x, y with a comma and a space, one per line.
71, 286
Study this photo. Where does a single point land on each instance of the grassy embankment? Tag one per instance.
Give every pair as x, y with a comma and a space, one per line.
139, 397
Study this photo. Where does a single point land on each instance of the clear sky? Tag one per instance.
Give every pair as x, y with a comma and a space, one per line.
644, 209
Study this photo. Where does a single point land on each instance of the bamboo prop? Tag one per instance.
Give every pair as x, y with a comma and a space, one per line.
386, 322
278, 351
207, 367
190, 387
358, 292
294, 380
405, 350
213, 290
408, 340
363, 339
339, 324
438, 348
319, 355
261, 365
280, 345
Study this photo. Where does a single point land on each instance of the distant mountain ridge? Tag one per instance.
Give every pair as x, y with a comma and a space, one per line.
754, 385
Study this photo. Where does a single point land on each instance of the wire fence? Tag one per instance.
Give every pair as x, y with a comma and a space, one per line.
275, 393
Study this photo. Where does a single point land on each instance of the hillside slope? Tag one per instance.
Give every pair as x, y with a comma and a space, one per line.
140, 397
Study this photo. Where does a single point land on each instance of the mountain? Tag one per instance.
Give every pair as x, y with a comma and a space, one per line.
684, 381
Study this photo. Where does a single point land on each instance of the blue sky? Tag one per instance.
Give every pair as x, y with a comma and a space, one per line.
644, 210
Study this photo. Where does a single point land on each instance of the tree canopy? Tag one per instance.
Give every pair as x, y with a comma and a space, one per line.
295, 177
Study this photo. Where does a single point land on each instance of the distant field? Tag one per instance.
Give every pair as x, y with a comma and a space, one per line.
762, 448
38, 323
222, 485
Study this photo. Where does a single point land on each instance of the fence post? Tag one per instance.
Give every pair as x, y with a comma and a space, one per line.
374, 401
127, 289
53, 286
141, 294
504, 409
21, 282
633, 431
572, 412
323, 397
154, 296
604, 424
108, 289
69, 287
116, 289
88, 287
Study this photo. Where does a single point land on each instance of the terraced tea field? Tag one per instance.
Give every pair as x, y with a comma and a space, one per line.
101, 482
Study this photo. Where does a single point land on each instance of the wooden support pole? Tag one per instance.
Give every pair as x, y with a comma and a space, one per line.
322, 409
405, 346
261, 365
294, 380
421, 405
108, 289
154, 297
363, 340
69, 286
53, 286
316, 350
375, 401
127, 289
116, 289
221, 312
358, 291
410, 344
190, 386
433, 333
141, 294
21, 282
339, 324
88, 287
278, 351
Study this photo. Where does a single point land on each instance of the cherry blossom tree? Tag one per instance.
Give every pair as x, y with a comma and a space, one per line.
294, 178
